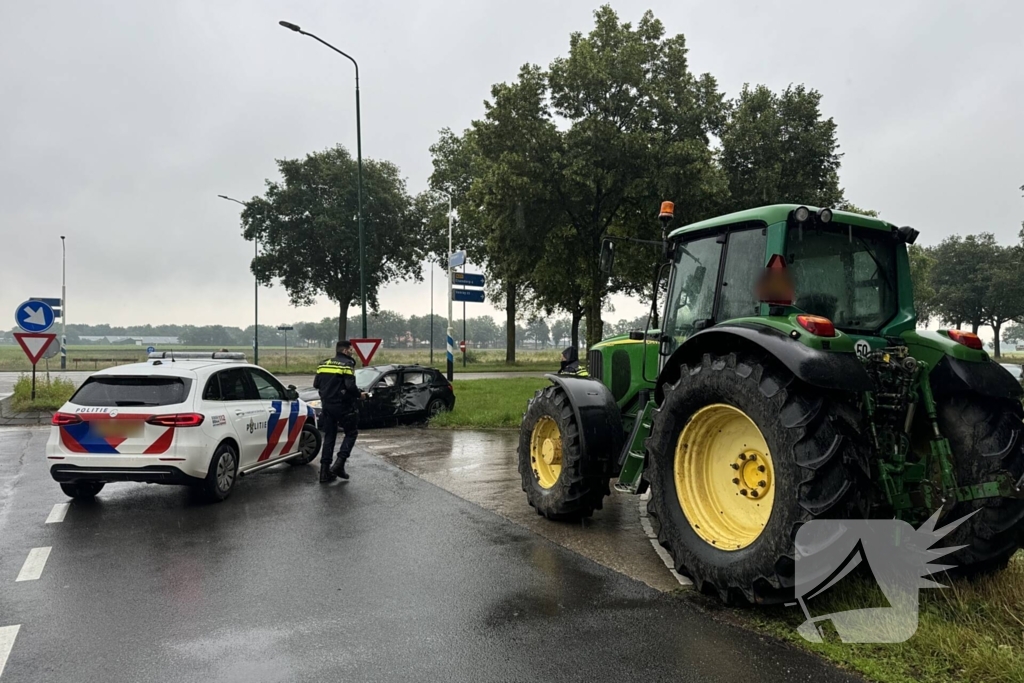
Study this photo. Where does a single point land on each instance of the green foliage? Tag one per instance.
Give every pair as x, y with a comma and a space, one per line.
307, 227
590, 146
50, 394
973, 281
776, 148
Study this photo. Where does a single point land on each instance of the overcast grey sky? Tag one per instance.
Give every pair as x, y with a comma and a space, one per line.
121, 121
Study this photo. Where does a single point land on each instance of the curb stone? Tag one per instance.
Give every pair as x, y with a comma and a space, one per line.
9, 418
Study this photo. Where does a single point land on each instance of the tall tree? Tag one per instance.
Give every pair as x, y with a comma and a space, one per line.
1004, 276
777, 148
960, 281
307, 225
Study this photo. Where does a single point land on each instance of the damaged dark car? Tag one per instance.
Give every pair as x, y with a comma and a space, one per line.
396, 394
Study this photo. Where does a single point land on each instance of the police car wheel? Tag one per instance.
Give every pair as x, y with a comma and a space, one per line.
309, 446
82, 490
221, 476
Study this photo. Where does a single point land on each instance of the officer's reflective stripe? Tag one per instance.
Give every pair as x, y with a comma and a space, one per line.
334, 370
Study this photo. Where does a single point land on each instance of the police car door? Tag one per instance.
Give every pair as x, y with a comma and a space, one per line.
284, 423
246, 411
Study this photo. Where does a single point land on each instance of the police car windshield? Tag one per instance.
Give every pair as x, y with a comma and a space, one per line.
366, 376
114, 392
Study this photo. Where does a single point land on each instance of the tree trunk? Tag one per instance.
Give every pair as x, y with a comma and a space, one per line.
595, 326
576, 328
975, 326
343, 319
510, 323
995, 343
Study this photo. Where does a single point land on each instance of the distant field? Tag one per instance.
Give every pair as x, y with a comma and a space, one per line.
300, 361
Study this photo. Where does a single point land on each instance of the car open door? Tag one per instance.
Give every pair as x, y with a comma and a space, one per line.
415, 392
384, 400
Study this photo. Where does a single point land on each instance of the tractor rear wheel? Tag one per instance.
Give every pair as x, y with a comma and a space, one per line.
741, 454
557, 480
986, 436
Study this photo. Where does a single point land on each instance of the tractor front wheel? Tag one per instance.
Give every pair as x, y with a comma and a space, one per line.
986, 436
557, 480
741, 453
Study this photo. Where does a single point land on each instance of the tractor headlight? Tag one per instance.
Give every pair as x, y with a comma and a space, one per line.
801, 214
824, 216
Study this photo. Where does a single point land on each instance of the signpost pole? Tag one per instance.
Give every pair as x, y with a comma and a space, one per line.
63, 306
463, 323
451, 329
431, 314
285, 328
33, 381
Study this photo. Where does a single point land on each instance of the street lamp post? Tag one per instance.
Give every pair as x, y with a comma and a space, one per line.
451, 330
63, 306
255, 297
359, 157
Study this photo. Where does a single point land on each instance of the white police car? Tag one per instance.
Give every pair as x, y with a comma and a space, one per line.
198, 419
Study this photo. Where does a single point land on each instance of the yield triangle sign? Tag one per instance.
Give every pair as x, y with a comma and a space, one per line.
34, 344
365, 348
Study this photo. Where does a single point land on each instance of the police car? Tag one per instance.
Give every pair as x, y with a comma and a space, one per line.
197, 419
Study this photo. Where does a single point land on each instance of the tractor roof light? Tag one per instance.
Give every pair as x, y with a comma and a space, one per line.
824, 216
817, 325
668, 211
968, 339
801, 214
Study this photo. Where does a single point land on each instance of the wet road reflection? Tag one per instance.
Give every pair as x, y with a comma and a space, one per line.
481, 467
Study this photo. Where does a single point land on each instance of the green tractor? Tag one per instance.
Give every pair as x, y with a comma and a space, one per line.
784, 383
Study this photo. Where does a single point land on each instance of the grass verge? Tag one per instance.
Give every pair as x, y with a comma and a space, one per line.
50, 395
489, 403
971, 631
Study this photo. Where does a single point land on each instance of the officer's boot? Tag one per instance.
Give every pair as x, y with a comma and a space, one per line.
326, 475
338, 468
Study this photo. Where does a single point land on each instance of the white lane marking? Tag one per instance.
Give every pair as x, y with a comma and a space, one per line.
645, 522
34, 563
7, 636
57, 513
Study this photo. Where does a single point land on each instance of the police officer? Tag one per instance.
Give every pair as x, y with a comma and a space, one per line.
339, 409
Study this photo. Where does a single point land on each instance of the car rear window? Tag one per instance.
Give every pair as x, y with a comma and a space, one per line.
132, 391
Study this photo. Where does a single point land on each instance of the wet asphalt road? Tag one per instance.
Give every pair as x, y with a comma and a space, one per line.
385, 578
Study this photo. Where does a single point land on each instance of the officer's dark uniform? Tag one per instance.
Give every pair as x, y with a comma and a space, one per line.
339, 408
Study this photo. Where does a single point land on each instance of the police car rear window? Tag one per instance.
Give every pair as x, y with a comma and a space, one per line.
132, 391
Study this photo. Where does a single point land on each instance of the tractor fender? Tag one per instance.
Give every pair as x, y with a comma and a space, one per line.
825, 369
987, 378
598, 417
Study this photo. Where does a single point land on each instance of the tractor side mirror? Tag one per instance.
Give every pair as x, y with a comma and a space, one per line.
607, 256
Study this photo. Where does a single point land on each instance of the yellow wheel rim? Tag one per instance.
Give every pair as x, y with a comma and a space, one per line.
724, 477
546, 452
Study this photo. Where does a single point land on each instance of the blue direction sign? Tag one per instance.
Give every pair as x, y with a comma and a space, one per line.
34, 316
468, 279
470, 295
150, 349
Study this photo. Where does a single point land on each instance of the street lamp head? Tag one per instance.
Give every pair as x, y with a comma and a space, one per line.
289, 25
62, 238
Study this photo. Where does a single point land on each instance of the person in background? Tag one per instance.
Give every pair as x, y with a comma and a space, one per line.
339, 409
570, 361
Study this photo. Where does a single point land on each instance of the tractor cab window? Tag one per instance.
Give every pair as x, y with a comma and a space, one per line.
846, 275
691, 302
